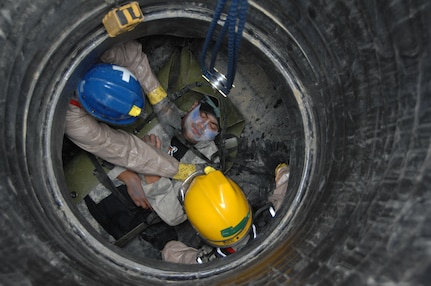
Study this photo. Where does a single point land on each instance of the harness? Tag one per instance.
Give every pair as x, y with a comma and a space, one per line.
182, 78
133, 220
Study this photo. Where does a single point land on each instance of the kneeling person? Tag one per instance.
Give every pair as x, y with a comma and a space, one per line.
220, 213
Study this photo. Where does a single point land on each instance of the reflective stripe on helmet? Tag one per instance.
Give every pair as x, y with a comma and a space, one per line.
234, 230
217, 208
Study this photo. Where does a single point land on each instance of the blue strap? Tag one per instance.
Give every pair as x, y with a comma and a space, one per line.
233, 27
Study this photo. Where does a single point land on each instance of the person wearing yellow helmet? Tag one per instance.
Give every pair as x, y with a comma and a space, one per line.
217, 208
219, 211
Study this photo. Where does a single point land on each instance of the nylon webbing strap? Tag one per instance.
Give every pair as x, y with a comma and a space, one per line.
103, 178
222, 133
192, 148
122, 241
107, 182
172, 96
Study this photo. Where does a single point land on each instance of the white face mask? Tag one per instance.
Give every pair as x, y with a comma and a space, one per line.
197, 128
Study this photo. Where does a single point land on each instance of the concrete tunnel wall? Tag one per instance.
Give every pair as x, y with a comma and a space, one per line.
365, 217
373, 212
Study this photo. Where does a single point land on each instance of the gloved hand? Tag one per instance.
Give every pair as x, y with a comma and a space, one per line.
185, 170
272, 154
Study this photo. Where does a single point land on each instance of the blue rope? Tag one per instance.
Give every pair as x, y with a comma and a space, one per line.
233, 27
217, 12
217, 46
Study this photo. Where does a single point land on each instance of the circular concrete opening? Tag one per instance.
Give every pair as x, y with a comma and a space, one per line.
342, 84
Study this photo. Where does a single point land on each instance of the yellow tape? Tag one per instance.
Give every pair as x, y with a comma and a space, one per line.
156, 95
135, 111
184, 170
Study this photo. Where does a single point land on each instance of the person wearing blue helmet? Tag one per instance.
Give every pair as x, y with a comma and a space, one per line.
176, 132
99, 91
112, 95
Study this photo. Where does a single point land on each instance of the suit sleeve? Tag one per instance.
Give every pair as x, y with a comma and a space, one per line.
117, 146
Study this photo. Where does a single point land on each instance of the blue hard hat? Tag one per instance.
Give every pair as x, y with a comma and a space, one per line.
111, 94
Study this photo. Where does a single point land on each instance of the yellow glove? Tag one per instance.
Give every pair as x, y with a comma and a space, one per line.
168, 114
157, 95
279, 166
184, 170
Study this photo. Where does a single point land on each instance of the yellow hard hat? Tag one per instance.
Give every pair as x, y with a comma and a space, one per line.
218, 209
